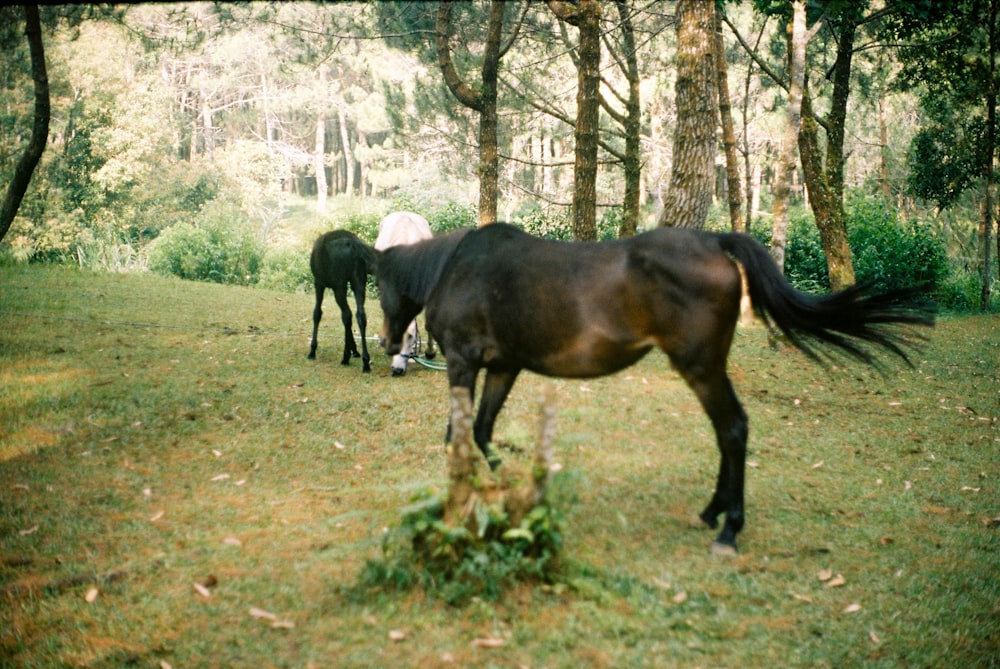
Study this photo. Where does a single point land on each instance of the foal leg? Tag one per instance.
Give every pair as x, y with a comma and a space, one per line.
716, 394
317, 315
359, 301
350, 348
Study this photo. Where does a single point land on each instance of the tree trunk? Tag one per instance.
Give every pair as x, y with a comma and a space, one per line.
25, 167
484, 101
733, 195
990, 200
797, 39
692, 170
586, 16
827, 206
345, 141
632, 163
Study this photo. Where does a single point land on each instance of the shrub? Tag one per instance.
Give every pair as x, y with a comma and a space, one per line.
891, 253
286, 269
886, 252
215, 249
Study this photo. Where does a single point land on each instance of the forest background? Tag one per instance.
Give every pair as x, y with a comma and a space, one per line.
215, 141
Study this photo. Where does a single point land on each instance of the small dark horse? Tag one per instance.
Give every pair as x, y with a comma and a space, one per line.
340, 260
500, 299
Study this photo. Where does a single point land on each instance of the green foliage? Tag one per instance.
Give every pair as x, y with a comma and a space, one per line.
887, 252
287, 270
805, 261
451, 562
215, 248
452, 216
546, 225
891, 253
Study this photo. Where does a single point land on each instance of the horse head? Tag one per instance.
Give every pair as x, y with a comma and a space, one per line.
399, 306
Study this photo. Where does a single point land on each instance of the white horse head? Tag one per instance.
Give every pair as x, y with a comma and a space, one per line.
399, 228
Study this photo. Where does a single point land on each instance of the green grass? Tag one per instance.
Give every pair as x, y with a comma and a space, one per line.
157, 434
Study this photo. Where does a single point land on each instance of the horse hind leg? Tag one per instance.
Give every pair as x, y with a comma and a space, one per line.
350, 348
359, 300
317, 316
717, 396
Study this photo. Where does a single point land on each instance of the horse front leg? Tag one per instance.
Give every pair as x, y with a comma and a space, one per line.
496, 387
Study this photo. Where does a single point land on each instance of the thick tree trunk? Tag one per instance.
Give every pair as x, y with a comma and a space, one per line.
693, 166
25, 167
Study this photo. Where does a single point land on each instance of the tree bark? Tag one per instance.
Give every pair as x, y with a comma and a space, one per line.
692, 172
990, 199
586, 16
25, 167
632, 162
797, 39
734, 196
484, 101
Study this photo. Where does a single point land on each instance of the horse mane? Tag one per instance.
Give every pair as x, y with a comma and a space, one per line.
415, 268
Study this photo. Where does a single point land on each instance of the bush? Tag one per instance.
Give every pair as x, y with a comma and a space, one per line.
886, 252
215, 249
286, 269
890, 253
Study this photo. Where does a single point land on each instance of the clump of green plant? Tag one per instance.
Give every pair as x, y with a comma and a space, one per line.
214, 248
476, 559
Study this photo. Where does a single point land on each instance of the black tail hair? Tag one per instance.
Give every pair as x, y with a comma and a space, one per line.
844, 319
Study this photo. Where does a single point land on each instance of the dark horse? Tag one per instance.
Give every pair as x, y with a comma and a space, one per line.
500, 299
340, 260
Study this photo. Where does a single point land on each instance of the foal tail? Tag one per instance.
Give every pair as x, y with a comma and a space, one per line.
844, 320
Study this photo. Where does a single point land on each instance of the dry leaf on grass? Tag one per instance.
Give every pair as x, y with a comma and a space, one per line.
825, 574
852, 608
261, 613
397, 635
836, 581
488, 642
873, 637
202, 590
680, 597
91, 596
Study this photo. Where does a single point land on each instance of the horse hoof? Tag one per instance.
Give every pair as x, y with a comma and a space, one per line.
720, 549
430, 355
399, 371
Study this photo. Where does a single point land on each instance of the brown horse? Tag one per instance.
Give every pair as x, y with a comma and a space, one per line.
500, 299
340, 260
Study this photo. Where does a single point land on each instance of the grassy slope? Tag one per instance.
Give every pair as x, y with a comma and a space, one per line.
156, 434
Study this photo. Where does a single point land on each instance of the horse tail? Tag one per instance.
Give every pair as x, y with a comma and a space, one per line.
844, 320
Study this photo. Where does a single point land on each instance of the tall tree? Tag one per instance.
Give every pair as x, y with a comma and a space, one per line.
693, 168
952, 54
797, 40
25, 167
586, 16
734, 196
482, 98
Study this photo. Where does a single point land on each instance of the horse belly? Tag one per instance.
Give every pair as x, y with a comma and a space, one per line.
587, 358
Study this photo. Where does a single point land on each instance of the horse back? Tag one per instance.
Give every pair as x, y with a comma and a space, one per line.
340, 256
401, 227
588, 307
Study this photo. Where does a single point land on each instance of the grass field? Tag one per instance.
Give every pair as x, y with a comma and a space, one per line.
180, 487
